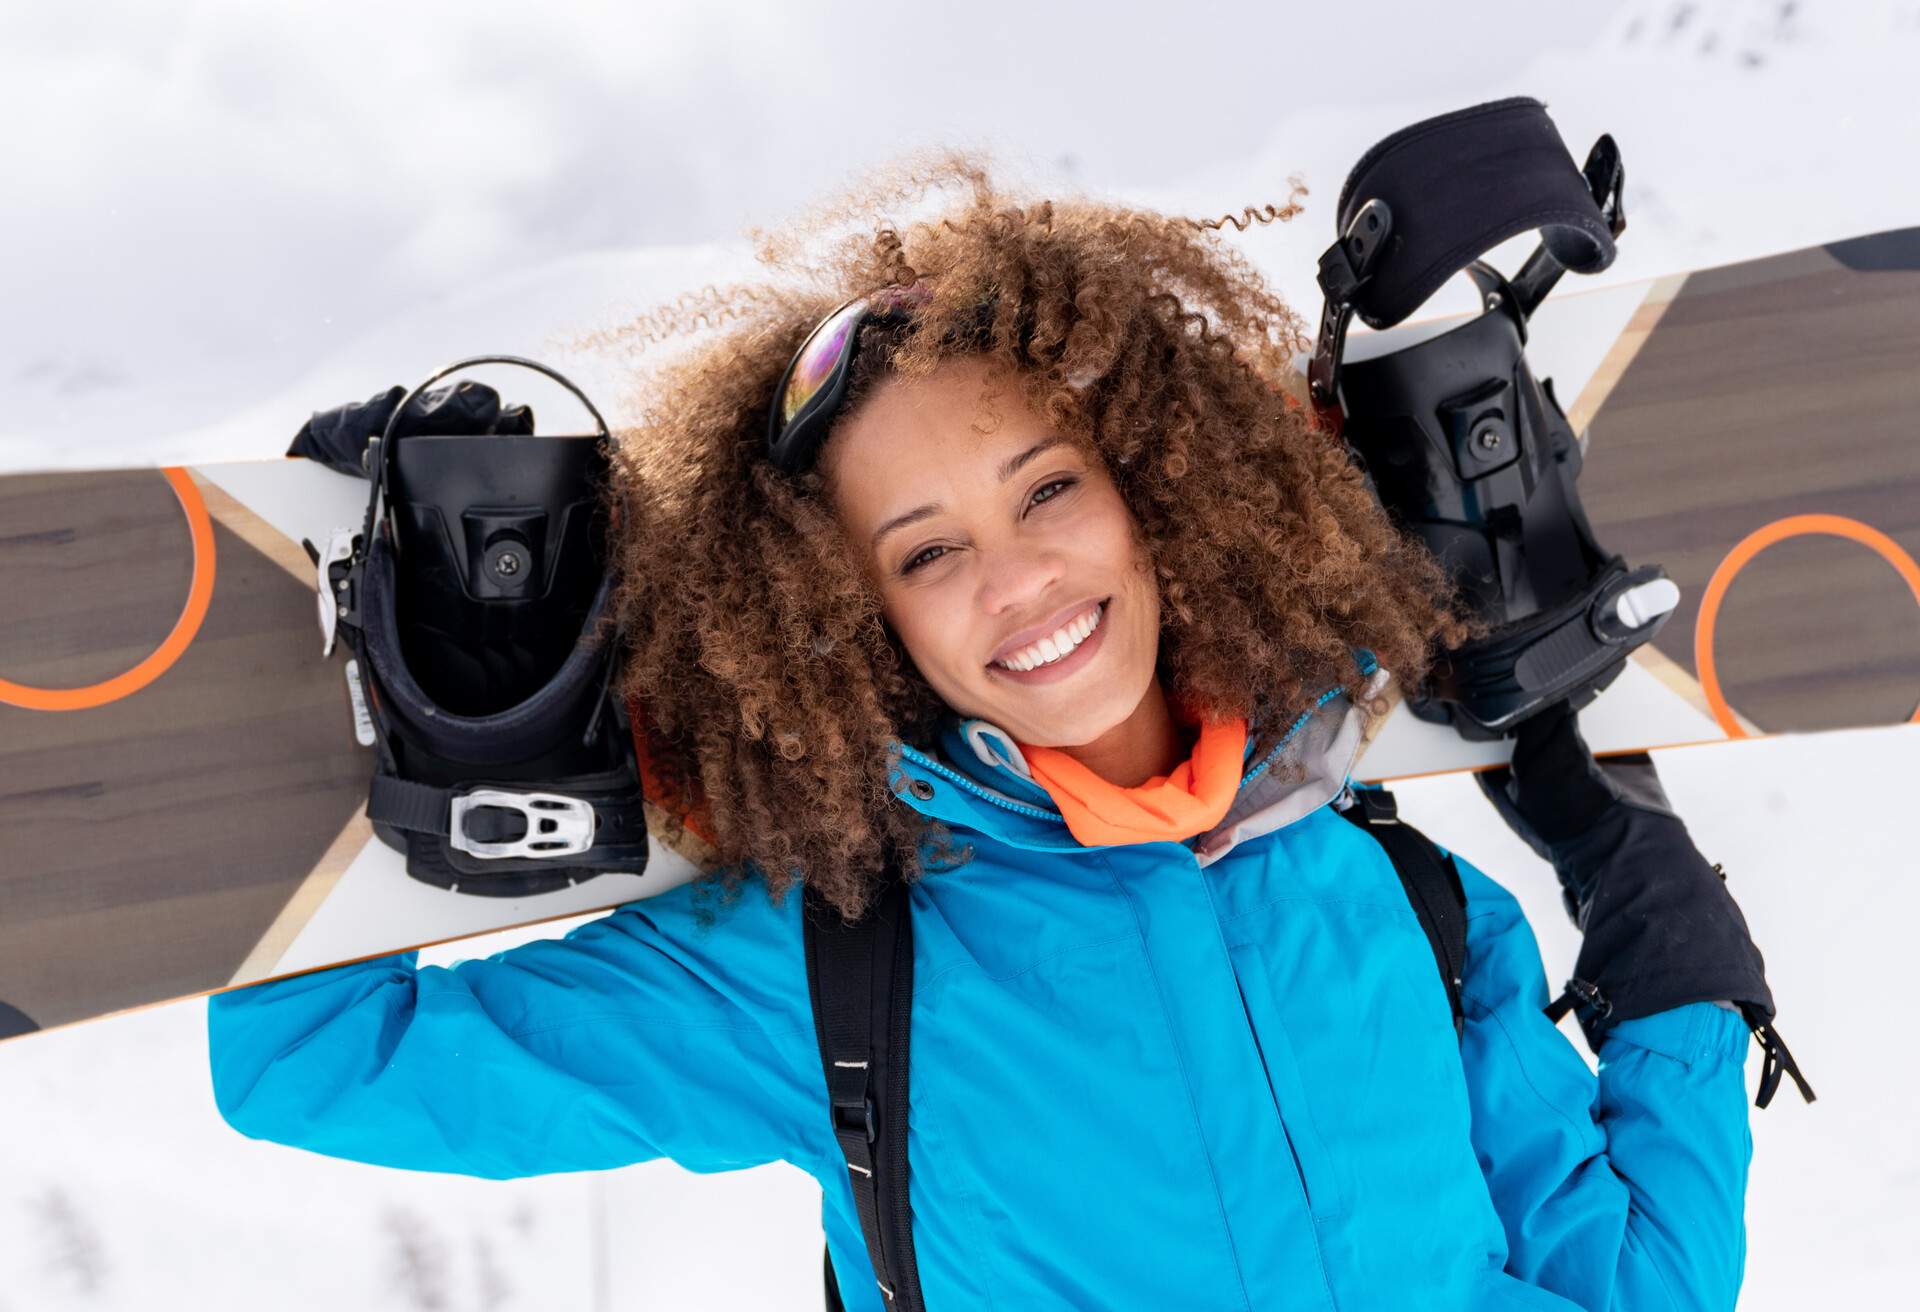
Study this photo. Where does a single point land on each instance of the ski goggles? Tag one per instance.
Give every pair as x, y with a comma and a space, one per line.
814, 386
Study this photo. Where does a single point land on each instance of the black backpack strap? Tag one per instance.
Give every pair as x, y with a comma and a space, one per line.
1432, 883
861, 980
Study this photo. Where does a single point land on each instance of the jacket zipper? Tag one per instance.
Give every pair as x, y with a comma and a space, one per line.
1041, 813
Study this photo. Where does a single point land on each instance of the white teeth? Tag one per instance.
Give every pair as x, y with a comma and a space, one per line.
1062, 643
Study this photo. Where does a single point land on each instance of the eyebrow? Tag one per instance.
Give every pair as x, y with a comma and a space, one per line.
1007, 471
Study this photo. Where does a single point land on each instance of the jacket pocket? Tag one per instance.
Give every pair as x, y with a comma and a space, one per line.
1319, 1173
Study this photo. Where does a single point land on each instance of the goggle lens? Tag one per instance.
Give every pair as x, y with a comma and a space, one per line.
818, 357
820, 367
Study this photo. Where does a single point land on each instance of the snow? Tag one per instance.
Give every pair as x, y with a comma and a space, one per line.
1747, 128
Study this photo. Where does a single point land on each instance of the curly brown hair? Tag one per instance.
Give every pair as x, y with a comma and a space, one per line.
768, 692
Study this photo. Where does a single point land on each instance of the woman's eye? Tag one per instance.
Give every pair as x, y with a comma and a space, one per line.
927, 556
920, 560
1058, 482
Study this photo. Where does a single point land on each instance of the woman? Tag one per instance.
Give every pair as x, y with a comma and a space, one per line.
1065, 609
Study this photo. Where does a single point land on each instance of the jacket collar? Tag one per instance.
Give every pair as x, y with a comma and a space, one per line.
974, 777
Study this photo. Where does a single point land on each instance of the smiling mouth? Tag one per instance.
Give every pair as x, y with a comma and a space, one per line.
1099, 612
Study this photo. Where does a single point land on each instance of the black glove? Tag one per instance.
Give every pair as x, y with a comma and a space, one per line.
338, 437
1659, 927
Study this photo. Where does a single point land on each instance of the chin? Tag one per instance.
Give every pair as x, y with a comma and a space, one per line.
1075, 721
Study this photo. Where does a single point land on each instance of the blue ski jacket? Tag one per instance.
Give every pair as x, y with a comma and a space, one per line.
1213, 1074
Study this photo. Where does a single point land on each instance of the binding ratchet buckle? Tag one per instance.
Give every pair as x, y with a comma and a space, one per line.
555, 825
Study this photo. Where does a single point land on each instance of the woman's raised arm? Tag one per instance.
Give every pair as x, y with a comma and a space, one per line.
1622, 1191
638, 1035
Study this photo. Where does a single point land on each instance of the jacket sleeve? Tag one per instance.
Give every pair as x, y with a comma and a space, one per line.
639, 1035
1625, 1190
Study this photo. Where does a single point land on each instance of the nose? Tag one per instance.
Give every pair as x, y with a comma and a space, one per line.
1018, 577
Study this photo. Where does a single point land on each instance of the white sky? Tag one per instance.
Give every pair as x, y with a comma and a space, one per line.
202, 203
200, 199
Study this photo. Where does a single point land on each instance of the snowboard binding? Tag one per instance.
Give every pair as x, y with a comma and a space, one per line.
1463, 445
474, 598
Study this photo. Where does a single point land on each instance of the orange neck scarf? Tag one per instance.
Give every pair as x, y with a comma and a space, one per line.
1191, 799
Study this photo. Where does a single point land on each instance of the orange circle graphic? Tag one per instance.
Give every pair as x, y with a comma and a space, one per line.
1792, 526
163, 656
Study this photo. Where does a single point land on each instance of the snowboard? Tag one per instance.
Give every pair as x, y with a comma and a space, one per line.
183, 776
1751, 428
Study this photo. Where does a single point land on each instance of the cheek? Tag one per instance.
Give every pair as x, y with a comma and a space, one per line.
914, 620
1121, 545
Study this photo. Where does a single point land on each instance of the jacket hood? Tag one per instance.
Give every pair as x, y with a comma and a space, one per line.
974, 777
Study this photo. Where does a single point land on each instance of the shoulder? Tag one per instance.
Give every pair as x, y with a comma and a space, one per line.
1503, 956
716, 907
1490, 906
734, 946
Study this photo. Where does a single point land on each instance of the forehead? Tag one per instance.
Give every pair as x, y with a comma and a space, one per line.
918, 436
964, 397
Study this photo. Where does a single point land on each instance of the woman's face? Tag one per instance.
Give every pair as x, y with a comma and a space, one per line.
982, 543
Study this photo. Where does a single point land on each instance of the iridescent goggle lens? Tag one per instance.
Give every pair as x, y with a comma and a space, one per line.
819, 370
822, 350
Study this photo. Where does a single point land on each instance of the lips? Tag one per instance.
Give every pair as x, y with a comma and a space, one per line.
1027, 637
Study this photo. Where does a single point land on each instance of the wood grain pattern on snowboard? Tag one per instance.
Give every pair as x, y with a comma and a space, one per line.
152, 841
1779, 387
